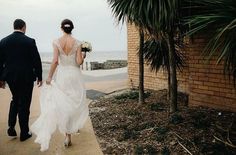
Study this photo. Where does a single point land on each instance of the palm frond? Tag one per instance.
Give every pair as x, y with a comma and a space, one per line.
219, 19
156, 55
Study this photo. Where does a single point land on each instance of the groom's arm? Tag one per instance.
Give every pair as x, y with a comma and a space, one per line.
2, 57
36, 61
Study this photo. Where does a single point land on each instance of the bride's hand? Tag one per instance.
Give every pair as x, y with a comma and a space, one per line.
84, 55
48, 81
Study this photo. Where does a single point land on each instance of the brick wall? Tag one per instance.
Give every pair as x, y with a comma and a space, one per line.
204, 82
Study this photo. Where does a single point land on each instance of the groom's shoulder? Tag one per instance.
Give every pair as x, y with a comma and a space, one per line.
18, 37
29, 38
4, 41
6, 38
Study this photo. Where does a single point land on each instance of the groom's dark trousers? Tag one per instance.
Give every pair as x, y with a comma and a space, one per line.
20, 66
20, 104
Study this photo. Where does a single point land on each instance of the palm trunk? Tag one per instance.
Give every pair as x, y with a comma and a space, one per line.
173, 80
168, 90
141, 67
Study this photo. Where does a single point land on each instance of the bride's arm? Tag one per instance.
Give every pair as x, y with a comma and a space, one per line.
80, 56
53, 65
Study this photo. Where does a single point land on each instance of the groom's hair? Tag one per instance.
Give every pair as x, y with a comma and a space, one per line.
18, 24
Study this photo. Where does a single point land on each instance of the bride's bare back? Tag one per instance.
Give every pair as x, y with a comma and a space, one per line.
67, 42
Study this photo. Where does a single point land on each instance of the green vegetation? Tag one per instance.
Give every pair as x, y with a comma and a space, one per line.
161, 133
201, 121
157, 107
165, 151
176, 119
133, 95
217, 19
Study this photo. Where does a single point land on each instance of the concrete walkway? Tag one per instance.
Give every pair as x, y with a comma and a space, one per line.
84, 143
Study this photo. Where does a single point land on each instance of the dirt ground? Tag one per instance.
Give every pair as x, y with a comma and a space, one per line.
125, 127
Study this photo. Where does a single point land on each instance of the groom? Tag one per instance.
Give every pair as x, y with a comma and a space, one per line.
20, 66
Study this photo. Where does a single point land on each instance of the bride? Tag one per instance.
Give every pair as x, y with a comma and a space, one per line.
62, 100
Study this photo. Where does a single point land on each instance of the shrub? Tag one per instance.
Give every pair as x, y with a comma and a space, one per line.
157, 107
150, 149
165, 151
176, 119
139, 150
131, 95
200, 120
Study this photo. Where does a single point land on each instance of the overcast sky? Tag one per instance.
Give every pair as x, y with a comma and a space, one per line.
92, 19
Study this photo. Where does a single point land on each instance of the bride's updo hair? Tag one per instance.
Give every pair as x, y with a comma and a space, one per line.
67, 26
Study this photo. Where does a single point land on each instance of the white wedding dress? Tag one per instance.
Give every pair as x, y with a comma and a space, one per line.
63, 103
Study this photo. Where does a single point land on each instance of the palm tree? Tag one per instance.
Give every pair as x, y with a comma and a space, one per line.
141, 67
168, 27
219, 16
156, 55
127, 10
161, 18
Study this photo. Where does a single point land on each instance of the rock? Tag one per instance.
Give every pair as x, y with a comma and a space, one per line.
109, 64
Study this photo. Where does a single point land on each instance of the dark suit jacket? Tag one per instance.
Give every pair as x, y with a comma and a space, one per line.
19, 59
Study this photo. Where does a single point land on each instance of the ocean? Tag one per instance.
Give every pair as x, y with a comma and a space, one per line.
99, 56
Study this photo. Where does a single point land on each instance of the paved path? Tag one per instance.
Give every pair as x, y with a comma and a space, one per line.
84, 143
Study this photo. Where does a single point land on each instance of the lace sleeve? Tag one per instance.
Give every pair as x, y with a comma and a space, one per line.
78, 44
54, 44
55, 51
